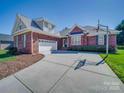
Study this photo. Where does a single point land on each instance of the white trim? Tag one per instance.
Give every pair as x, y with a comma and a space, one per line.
77, 26
37, 31
76, 40
16, 43
46, 46
101, 40
46, 40
77, 34
63, 44
24, 40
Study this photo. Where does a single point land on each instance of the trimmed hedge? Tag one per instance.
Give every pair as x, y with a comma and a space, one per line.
92, 48
120, 46
13, 51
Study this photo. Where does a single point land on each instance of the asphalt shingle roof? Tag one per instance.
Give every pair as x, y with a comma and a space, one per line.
34, 25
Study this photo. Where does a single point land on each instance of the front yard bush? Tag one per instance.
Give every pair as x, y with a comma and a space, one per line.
120, 46
13, 51
92, 48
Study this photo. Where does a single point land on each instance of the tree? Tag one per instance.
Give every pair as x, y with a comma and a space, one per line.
120, 36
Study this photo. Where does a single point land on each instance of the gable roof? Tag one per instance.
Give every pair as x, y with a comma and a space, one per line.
66, 31
36, 20
32, 24
26, 21
76, 25
92, 30
76, 29
36, 26
89, 30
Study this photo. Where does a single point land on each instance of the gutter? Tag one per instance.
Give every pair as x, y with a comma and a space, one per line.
30, 30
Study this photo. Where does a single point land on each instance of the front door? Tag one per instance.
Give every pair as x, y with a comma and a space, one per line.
65, 43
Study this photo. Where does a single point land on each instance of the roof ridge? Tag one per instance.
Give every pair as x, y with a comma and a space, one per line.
26, 20
18, 14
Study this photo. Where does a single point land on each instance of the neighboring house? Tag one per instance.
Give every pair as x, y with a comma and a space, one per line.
39, 36
6, 41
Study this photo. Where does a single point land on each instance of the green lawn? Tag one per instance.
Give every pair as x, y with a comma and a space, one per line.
116, 62
4, 56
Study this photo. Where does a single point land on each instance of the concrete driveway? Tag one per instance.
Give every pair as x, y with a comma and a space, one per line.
56, 74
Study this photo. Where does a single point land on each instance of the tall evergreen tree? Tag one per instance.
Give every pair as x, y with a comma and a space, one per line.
120, 37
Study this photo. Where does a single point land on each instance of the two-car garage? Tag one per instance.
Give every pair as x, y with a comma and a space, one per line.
46, 46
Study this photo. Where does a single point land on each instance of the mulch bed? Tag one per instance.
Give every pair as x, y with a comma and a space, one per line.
22, 61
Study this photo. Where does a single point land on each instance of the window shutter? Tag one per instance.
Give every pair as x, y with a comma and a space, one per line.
104, 39
96, 39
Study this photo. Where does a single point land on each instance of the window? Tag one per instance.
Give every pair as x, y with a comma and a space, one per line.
16, 41
100, 39
24, 40
76, 40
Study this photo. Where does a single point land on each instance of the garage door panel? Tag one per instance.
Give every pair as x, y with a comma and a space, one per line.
47, 46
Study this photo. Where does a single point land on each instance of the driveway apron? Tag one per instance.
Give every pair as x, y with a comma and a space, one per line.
55, 74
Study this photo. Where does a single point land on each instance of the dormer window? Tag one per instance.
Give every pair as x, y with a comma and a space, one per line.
44, 24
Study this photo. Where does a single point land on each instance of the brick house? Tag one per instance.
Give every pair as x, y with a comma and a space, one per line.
39, 36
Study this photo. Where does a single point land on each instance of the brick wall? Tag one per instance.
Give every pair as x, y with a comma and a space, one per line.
37, 36
91, 40
20, 47
85, 40
28, 42
34, 47
112, 40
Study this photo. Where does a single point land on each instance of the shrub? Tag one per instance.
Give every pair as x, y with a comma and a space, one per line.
13, 51
91, 48
120, 46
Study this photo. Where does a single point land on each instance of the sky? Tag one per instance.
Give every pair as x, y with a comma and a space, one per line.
62, 13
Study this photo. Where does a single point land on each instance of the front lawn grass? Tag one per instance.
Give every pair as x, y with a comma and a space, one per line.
6, 57
116, 63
